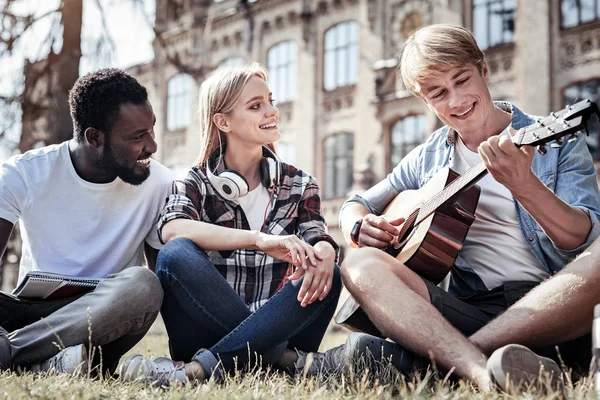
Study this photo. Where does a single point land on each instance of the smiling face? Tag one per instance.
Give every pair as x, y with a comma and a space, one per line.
460, 97
254, 119
127, 148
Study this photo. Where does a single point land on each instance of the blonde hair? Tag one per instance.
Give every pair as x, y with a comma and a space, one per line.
436, 48
219, 94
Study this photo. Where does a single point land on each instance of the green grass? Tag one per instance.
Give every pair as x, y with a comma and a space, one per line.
257, 384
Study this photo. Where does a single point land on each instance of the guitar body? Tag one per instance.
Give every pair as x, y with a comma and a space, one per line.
431, 247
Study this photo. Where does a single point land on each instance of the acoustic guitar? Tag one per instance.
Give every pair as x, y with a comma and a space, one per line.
442, 211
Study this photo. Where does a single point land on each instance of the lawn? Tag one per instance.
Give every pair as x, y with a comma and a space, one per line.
257, 384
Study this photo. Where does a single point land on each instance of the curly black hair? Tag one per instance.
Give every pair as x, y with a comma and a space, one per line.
96, 98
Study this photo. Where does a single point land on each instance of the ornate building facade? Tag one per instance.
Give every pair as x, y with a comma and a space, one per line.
344, 115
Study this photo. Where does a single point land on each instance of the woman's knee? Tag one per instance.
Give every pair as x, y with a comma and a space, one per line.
178, 255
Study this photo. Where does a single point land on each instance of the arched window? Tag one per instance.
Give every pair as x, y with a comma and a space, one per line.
338, 164
577, 12
178, 105
341, 55
406, 134
281, 62
589, 89
494, 22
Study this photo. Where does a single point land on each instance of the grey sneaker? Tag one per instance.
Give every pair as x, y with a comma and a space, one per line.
514, 368
5, 358
359, 347
161, 371
72, 360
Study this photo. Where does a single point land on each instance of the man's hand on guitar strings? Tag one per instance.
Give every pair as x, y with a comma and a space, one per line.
378, 231
508, 164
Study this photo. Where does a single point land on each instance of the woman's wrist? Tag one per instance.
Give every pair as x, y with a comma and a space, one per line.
254, 238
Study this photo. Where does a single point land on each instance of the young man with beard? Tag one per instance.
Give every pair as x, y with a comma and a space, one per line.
87, 207
510, 283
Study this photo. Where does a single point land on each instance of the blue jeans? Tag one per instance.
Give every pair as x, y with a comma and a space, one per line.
201, 311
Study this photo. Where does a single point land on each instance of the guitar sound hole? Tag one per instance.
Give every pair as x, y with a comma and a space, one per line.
397, 247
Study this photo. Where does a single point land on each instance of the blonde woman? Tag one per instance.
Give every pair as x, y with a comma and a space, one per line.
232, 229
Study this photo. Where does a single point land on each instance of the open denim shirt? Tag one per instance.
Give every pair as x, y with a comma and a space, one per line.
568, 171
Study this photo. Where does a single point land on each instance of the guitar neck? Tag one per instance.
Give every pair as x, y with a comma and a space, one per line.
463, 182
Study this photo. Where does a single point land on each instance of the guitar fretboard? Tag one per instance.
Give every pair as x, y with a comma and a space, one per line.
471, 176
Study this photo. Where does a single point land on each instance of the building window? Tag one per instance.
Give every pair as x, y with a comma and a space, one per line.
406, 134
341, 55
577, 12
493, 22
231, 62
587, 90
281, 62
286, 151
338, 164
178, 105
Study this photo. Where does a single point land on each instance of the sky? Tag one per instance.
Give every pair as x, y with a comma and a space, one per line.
128, 26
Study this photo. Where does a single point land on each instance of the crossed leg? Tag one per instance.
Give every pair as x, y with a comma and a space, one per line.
399, 304
558, 310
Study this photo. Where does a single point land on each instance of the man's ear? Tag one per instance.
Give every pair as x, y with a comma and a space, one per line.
220, 121
94, 137
484, 71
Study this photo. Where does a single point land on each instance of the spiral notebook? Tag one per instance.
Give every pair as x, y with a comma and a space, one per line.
48, 285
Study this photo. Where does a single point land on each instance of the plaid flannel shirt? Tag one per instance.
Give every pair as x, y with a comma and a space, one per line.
254, 275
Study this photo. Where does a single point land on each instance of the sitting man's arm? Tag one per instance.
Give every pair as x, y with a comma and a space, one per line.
5, 231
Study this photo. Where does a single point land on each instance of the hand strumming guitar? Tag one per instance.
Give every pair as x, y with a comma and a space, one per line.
378, 231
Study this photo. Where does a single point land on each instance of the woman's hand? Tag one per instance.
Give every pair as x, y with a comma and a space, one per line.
288, 248
318, 278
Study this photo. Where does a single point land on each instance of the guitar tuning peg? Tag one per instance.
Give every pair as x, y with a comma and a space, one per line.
572, 138
557, 144
542, 149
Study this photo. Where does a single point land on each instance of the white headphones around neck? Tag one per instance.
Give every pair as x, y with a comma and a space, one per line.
231, 185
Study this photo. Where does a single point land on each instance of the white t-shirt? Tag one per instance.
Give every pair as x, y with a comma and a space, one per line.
495, 246
255, 204
74, 227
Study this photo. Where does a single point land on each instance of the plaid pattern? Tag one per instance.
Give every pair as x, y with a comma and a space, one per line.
254, 275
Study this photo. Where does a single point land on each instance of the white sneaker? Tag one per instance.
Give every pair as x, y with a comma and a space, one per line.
515, 368
72, 360
160, 372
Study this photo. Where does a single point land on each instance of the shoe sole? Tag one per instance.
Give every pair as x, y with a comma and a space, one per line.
514, 366
379, 350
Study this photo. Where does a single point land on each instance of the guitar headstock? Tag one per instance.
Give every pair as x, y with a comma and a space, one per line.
568, 121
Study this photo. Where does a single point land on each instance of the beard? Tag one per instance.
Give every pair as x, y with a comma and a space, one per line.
109, 162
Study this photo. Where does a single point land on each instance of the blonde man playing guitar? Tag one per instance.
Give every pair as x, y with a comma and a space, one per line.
535, 214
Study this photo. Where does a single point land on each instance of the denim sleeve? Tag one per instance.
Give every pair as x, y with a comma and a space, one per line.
576, 184
404, 176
